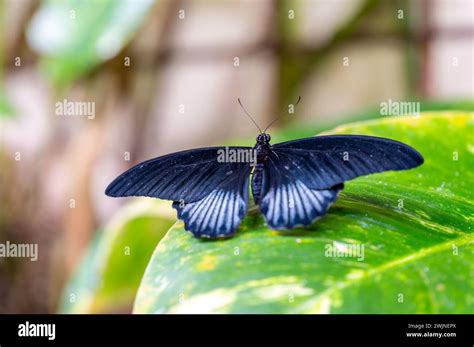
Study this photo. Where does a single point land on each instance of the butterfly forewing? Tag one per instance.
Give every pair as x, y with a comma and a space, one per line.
324, 161
187, 175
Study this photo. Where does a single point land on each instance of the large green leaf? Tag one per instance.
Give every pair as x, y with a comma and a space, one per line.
415, 226
109, 275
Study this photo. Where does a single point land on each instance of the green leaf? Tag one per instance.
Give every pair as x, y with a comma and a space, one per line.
75, 36
109, 275
415, 226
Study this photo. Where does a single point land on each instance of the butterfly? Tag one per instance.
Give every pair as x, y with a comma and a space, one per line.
294, 183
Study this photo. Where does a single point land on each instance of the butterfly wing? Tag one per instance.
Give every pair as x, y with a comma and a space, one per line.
301, 179
188, 175
220, 212
210, 195
287, 201
324, 161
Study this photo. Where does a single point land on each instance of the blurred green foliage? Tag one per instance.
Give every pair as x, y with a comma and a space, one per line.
295, 129
6, 109
74, 36
112, 267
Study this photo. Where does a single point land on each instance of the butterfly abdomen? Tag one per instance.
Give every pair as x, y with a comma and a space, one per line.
257, 179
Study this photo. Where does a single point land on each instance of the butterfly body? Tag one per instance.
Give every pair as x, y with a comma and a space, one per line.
294, 183
263, 149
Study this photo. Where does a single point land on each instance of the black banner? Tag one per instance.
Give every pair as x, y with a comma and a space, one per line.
224, 329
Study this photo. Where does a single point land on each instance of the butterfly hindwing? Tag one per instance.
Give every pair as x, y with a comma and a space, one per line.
220, 212
324, 161
286, 201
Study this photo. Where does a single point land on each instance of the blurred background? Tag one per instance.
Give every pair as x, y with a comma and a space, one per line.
161, 76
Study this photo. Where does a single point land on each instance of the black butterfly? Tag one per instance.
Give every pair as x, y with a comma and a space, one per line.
293, 182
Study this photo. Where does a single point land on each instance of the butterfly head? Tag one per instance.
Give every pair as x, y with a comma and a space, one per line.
263, 138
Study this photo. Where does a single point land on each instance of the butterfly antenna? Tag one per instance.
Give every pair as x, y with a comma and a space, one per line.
248, 114
284, 114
